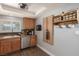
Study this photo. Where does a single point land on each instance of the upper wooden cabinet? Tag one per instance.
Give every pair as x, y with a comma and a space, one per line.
28, 23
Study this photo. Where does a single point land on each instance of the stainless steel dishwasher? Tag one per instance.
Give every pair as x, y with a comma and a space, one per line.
25, 40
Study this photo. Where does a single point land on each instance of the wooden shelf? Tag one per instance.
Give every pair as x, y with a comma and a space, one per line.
66, 22
69, 17
58, 18
70, 12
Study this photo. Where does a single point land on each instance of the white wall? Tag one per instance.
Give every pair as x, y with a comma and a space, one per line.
66, 42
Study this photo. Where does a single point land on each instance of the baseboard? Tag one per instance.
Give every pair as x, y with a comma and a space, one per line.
45, 50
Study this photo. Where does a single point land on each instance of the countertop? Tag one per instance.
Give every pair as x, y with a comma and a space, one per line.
6, 37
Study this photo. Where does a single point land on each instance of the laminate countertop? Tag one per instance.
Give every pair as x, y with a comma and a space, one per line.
7, 37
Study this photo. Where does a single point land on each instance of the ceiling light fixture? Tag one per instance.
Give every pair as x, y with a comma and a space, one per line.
23, 5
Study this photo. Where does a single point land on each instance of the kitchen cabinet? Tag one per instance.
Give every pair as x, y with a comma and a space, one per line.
5, 46
33, 41
28, 23
9, 45
15, 44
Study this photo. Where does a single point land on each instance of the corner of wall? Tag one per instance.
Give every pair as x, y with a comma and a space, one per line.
49, 53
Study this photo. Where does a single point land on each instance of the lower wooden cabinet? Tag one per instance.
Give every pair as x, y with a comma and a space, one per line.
9, 45
5, 46
15, 44
33, 41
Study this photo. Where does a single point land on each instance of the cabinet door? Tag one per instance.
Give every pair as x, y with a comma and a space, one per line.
32, 24
0, 48
5, 46
33, 41
15, 44
29, 23
16, 26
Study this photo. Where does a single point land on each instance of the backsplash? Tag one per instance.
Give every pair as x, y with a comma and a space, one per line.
28, 31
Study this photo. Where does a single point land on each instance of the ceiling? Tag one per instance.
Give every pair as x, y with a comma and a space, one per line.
34, 9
